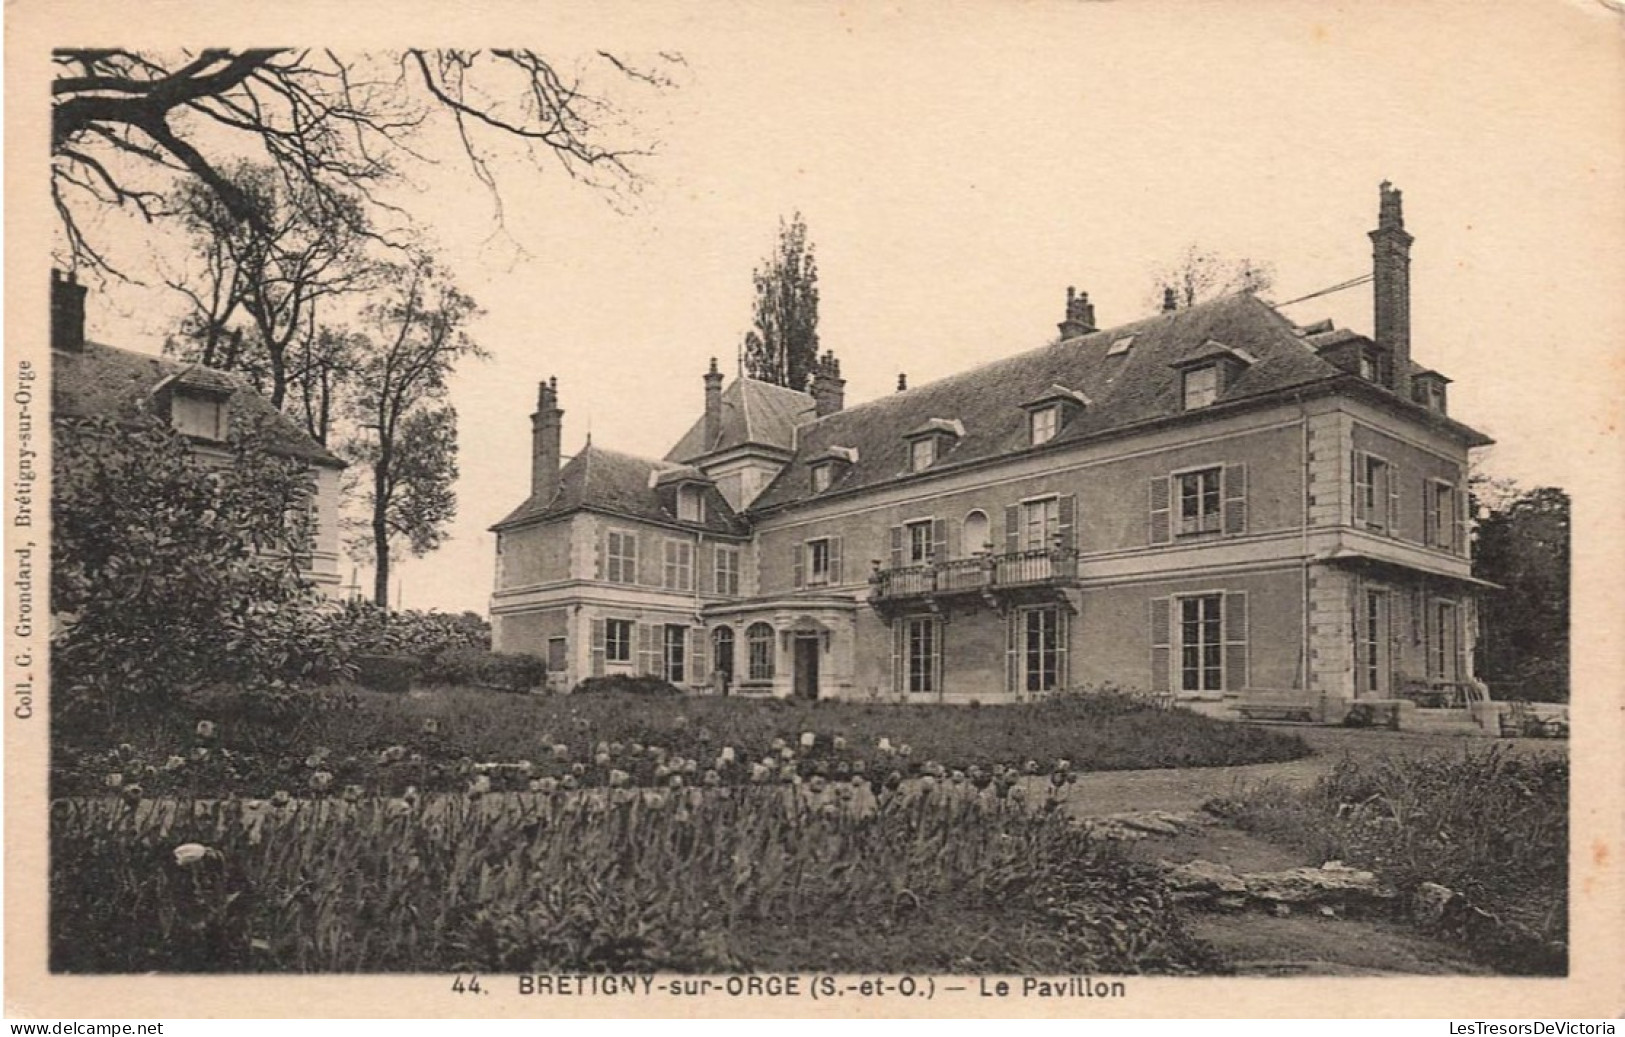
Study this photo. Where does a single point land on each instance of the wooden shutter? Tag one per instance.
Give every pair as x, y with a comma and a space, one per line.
1463, 520
647, 565
1012, 529
896, 547
799, 565
597, 648
600, 547
1161, 510
1361, 487
899, 643
649, 646
1430, 513
1162, 678
939, 541
1012, 651
697, 655
1393, 500
1235, 640
1066, 509
1063, 658
1235, 499
834, 561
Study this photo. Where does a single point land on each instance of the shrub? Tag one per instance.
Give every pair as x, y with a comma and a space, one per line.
168, 575
622, 684
1491, 825
504, 671
392, 673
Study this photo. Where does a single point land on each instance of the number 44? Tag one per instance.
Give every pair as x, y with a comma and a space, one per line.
471, 985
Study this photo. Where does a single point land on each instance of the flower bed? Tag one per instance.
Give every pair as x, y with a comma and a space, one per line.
380, 744
683, 880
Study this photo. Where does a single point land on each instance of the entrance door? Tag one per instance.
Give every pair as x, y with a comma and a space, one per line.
806, 667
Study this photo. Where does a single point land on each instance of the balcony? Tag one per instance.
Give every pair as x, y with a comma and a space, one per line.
994, 578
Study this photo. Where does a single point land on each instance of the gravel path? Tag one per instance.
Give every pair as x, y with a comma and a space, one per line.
1114, 792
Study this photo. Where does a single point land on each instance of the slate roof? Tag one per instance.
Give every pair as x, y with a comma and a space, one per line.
753, 413
101, 381
608, 481
1132, 388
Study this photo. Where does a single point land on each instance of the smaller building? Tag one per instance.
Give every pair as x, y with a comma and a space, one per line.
208, 406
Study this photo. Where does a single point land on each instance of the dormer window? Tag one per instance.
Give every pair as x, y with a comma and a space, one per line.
198, 414
690, 504
1428, 389
1201, 386
1045, 422
1208, 370
922, 453
930, 441
1050, 410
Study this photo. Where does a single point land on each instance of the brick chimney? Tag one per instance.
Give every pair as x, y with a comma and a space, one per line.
902, 381
67, 312
1391, 277
1080, 315
1170, 300
546, 426
713, 406
828, 387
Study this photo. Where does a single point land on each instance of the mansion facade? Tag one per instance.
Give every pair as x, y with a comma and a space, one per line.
1213, 503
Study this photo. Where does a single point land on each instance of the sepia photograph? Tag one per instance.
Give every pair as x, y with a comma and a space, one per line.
996, 509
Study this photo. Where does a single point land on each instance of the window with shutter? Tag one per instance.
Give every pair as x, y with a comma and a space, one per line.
1201, 643
799, 564
1161, 619
1012, 529
896, 547
1161, 524
939, 540
1362, 487
818, 562
835, 560
1200, 501
617, 639
919, 542
1012, 657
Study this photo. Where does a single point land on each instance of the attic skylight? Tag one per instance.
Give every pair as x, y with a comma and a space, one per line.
1120, 346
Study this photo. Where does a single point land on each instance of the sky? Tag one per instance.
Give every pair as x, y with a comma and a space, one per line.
959, 166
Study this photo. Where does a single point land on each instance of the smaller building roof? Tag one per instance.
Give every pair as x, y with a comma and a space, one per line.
608, 481
100, 381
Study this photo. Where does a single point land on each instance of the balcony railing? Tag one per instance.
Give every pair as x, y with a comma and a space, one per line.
980, 573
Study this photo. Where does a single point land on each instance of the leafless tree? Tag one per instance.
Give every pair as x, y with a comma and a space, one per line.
125, 123
1202, 274
407, 432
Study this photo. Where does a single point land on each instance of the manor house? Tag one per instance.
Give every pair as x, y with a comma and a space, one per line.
1212, 502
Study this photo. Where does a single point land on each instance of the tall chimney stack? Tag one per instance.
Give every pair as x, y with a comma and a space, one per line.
546, 426
713, 405
1170, 300
1080, 315
828, 387
67, 312
1391, 279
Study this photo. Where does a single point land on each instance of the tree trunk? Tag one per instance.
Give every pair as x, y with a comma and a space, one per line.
380, 538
